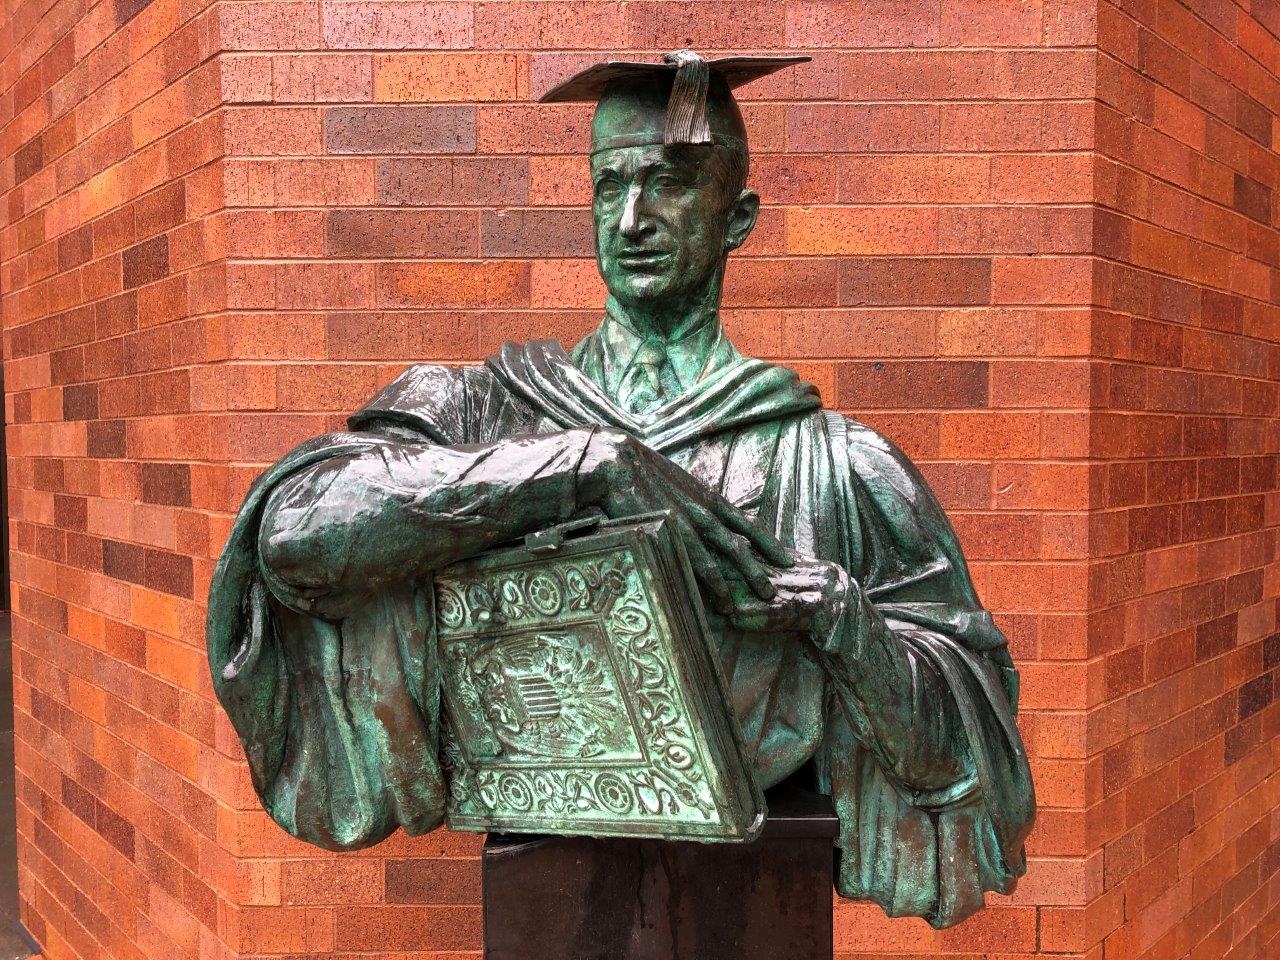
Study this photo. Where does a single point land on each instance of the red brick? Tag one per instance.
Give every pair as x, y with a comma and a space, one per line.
858, 333
219, 242
272, 131
432, 881
809, 282
991, 23
536, 233
550, 24
555, 128
877, 23
396, 24
276, 930
860, 128
561, 284
453, 284
467, 78
320, 79
245, 79
270, 25
323, 285
325, 388
409, 928
1041, 280
783, 179
861, 230
394, 335
455, 181
915, 179
991, 435
913, 385
146, 261
915, 281
665, 24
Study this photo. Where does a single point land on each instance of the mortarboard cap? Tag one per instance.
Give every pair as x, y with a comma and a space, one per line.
683, 99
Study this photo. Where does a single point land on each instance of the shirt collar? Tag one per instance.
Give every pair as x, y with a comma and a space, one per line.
693, 354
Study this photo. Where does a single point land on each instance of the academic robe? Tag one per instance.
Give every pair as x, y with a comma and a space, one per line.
903, 714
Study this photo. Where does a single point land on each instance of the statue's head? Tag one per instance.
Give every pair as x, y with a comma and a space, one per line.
668, 171
666, 215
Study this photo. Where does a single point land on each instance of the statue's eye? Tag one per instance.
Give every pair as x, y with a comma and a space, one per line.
608, 190
666, 183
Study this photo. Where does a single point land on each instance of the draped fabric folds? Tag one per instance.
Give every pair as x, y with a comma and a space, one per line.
741, 393
339, 720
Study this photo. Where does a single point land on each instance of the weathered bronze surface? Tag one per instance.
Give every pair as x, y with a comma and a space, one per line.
857, 656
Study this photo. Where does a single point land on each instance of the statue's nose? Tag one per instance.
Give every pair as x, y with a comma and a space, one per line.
633, 220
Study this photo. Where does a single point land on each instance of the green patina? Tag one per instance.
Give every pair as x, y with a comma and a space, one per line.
854, 653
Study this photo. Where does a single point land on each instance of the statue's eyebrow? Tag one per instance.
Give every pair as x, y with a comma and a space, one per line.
686, 173
605, 170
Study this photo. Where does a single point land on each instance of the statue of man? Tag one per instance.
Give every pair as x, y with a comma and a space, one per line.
858, 657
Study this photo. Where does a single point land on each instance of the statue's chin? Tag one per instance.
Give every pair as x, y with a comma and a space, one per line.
639, 293
650, 292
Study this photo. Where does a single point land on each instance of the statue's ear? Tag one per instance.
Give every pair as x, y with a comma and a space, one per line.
742, 219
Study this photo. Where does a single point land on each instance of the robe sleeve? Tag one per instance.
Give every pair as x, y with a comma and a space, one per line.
921, 754
321, 635
399, 510
338, 719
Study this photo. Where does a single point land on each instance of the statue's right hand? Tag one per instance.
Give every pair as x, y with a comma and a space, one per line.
624, 478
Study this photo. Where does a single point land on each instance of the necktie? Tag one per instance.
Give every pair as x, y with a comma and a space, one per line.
646, 384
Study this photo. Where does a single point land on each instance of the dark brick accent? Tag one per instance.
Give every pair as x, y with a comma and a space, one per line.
397, 129
145, 262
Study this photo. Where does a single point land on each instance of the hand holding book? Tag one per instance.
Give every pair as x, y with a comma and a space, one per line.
624, 478
808, 597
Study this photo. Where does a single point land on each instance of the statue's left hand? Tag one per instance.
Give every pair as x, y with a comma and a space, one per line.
809, 597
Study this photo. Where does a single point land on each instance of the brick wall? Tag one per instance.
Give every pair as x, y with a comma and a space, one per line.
1031, 240
110, 284
1185, 438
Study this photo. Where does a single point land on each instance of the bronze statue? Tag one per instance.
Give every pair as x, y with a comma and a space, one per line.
856, 654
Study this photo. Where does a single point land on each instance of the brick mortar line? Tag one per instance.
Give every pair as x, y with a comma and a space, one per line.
16, 48
1152, 177
160, 142
480, 104
517, 154
17, 43
140, 911
1104, 91
1233, 43
50, 898
80, 104
1188, 282
508, 209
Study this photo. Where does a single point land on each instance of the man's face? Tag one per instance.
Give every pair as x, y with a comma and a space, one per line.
661, 216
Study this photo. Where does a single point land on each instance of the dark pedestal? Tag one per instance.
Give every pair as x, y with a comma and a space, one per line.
577, 898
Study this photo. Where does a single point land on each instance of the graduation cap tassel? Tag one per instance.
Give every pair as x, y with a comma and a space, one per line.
687, 108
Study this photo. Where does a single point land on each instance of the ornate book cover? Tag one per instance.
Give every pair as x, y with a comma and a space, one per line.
582, 694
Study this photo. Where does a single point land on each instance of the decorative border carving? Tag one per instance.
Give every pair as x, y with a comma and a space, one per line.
570, 702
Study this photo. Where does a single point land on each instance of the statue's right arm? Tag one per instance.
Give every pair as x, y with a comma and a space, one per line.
401, 509
337, 529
